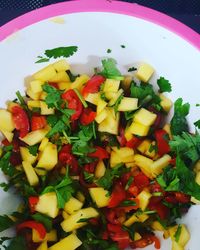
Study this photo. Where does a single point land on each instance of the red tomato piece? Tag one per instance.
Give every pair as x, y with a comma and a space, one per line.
182, 198
87, 116
118, 195
100, 153
90, 168
92, 86
161, 209
33, 225
38, 122
74, 103
134, 142
133, 190
33, 201
21, 120
141, 180
162, 142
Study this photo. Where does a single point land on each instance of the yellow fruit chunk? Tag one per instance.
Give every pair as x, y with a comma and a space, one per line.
115, 96
43, 95
136, 218
128, 104
48, 158
65, 215
32, 95
139, 129
128, 135
101, 106
33, 104
126, 83
45, 74
30, 173
144, 198
99, 196
45, 110
176, 246
197, 178
6, 121
111, 85
36, 86
121, 155
100, 170
145, 117
40, 171
64, 85
74, 221
158, 165
93, 98
157, 226
43, 246
144, 72
144, 164
184, 234
70, 242
8, 135
61, 76
80, 196
110, 124
27, 156
43, 144
48, 205
79, 82
51, 236
137, 236
73, 205
1, 152
123, 151
144, 146
165, 103
34, 137
61, 65
101, 116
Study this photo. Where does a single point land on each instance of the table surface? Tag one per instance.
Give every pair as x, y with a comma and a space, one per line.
186, 11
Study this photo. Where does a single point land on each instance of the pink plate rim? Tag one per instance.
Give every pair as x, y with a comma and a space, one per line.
125, 8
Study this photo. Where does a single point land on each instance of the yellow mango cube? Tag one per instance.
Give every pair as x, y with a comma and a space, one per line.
61, 76
144, 164
137, 236
158, 165
8, 135
165, 103
65, 215
6, 121
45, 110
111, 85
110, 124
155, 225
99, 196
144, 198
139, 129
126, 83
72, 205
27, 156
128, 104
48, 158
144, 117
115, 97
61, 65
93, 98
45, 74
33, 104
73, 221
101, 106
34, 137
176, 246
64, 85
36, 86
123, 151
184, 235
32, 95
70, 242
43, 144
43, 246
131, 220
128, 135
30, 173
79, 82
115, 159
144, 72
51, 236
48, 204
101, 116
100, 170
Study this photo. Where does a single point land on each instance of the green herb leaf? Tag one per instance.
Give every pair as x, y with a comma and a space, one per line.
129, 182
33, 149
81, 98
61, 52
178, 233
6, 166
41, 60
128, 203
197, 124
109, 51
58, 128
53, 95
44, 219
164, 85
119, 99
110, 70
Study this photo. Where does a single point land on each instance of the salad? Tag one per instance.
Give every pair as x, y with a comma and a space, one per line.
95, 163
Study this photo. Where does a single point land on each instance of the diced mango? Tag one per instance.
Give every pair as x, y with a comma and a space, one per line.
145, 117
65, 215
184, 235
51, 236
197, 167
34, 137
100, 170
123, 151
45, 110
131, 220
30, 173
110, 124
43, 95
101, 106
61, 76
158, 165
61, 65
144, 72
43, 144
139, 129
144, 146
73, 221
43, 246
64, 85
144, 198
197, 178
144, 164
126, 83
48, 205
48, 158
128, 135
111, 85
6, 121
8, 135
155, 225
27, 156
114, 159
128, 104
165, 103
73, 205
115, 97
33, 104
80, 196
195, 201
110, 95
45, 74
100, 196
101, 116
32, 95
137, 236
93, 98
40, 171
70, 242
176, 246
79, 82
36, 86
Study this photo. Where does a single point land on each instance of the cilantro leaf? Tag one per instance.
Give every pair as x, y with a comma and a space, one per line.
53, 95
197, 124
179, 122
58, 127
5, 222
6, 166
110, 70
164, 85
33, 149
178, 233
61, 52
44, 219
119, 99
42, 59
109, 50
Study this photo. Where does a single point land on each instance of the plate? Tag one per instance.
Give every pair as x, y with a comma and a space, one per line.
96, 26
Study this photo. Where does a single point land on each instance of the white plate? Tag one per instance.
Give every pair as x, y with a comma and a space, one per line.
94, 29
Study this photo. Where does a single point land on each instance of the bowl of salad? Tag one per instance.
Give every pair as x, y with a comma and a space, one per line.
99, 125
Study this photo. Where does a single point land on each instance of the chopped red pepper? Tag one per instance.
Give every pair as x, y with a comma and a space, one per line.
87, 116
100, 153
21, 120
182, 198
74, 103
118, 195
38, 122
134, 142
92, 86
162, 142
5, 142
173, 161
54, 84
141, 180
90, 168
33, 201
33, 225
157, 205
